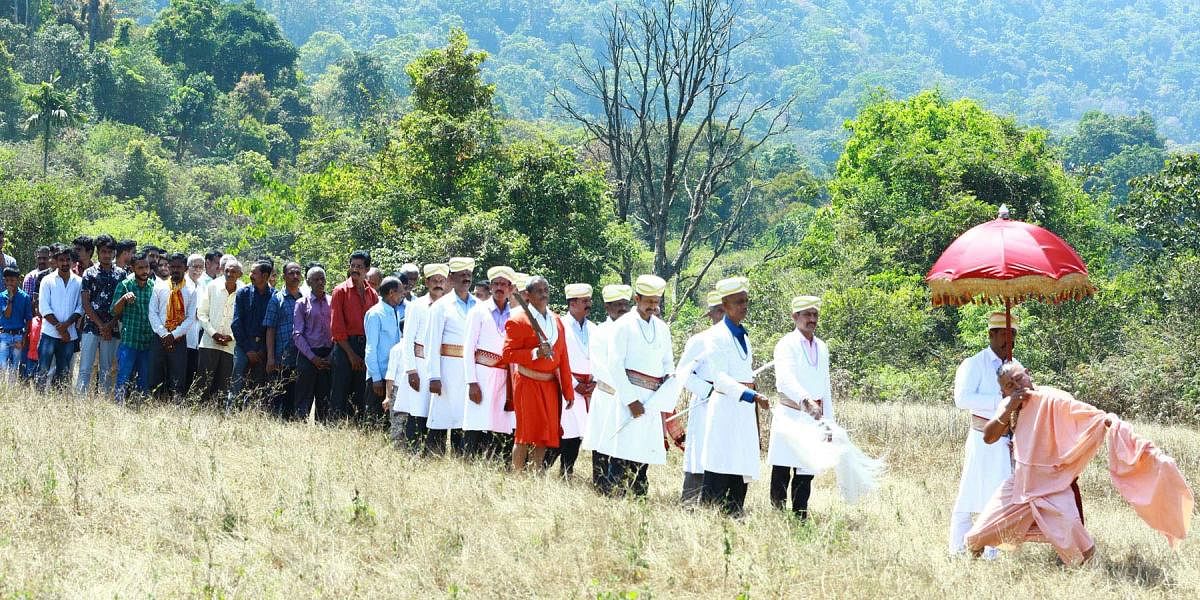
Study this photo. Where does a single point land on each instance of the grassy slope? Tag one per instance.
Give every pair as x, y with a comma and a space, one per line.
98, 501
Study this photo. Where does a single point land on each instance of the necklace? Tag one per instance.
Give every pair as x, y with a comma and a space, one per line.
642, 330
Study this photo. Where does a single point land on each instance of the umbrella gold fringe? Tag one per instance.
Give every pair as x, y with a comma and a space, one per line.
978, 290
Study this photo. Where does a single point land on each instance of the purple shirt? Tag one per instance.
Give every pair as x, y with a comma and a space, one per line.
310, 325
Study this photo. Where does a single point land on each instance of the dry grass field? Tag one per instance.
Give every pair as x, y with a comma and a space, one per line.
99, 501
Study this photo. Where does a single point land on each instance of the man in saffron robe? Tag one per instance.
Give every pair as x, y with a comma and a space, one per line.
542, 377
1054, 438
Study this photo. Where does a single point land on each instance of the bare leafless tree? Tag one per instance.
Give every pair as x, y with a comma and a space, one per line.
674, 125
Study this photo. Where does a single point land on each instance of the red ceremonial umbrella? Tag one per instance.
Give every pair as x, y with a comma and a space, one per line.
1009, 262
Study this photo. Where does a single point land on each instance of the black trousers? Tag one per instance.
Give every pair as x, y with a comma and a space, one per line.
171, 367
415, 433
193, 364
626, 476
693, 485
283, 392
600, 478
372, 416
725, 491
348, 394
435, 442
312, 385
801, 489
566, 453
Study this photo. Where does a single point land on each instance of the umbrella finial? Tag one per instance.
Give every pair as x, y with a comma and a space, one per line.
1003, 212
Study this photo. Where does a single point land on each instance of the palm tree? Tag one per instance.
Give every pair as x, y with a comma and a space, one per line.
51, 108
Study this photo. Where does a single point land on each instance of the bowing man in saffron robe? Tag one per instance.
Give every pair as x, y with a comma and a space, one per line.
1054, 438
542, 377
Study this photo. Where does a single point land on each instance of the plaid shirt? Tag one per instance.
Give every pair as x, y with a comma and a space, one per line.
135, 321
280, 314
101, 285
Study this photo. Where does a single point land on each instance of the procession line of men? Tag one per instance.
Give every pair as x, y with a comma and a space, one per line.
526, 387
467, 372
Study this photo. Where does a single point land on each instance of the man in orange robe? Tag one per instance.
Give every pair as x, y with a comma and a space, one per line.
1054, 436
542, 377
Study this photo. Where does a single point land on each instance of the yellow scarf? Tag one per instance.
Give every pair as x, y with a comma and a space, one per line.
175, 309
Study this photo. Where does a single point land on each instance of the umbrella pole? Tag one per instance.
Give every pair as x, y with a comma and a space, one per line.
1008, 325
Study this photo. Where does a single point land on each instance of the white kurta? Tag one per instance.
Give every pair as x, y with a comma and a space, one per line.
575, 419
797, 378
731, 425
482, 334
985, 466
644, 347
598, 435
416, 321
696, 378
447, 325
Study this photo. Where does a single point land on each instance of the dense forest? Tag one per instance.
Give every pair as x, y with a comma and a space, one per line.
855, 141
1046, 63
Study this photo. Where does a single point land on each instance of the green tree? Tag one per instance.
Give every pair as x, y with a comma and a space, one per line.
50, 108
145, 176
1109, 151
361, 89
248, 40
323, 50
916, 173
11, 94
193, 108
451, 132
1164, 208
185, 35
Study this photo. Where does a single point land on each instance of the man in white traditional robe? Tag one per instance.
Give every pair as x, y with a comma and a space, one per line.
444, 348
410, 394
488, 420
985, 466
699, 384
598, 435
641, 364
802, 378
574, 417
730, 453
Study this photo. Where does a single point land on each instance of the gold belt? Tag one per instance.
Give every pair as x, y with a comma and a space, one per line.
487, 359
452, 350
978, 422
643, 380
530, 373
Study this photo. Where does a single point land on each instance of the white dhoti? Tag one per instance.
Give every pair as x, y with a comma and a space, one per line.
489, 414
985, 468
574, 419
601, 423
447, 408
410, 401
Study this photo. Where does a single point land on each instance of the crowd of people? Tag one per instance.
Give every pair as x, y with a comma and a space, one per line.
485, 370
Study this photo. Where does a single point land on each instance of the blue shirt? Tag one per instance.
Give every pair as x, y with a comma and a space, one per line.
739, 334
22, 310
383, 325
281, 310
464, 306
500, 317
249, 310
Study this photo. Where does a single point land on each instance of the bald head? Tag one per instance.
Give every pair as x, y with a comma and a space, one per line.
1013, 377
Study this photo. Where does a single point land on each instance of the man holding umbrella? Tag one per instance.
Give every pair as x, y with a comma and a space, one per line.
985, 466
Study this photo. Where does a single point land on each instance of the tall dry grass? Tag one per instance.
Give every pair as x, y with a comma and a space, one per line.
101, 501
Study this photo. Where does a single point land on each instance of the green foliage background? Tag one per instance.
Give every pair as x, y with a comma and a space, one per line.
420, 130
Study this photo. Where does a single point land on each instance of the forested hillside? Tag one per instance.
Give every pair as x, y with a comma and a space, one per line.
419, 130
1045, 62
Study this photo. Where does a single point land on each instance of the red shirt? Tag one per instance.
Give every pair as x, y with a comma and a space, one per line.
348, 310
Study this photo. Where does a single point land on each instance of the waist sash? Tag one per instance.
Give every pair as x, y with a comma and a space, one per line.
643, 380
419, 350
487, 359
452, 350
536, 375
